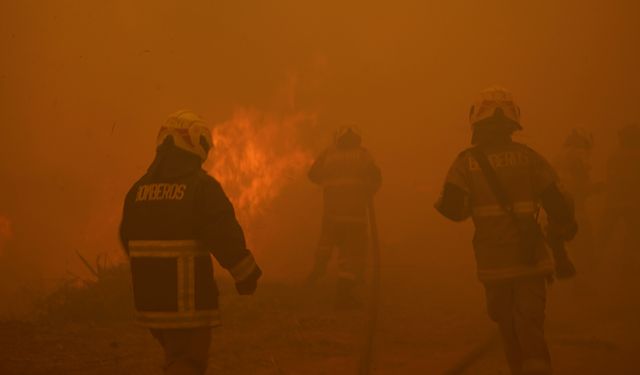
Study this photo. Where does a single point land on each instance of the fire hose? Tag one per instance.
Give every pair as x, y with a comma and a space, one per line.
367, 354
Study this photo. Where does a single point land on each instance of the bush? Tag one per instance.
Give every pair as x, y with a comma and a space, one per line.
107, 296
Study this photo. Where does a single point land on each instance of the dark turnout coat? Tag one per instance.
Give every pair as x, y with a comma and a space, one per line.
349, 177
174, 218
530, 183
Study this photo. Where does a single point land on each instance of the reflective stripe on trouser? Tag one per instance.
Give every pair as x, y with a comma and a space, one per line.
186, 316
350, 239
518, 306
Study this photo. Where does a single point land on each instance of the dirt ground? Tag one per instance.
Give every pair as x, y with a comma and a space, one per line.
290, 329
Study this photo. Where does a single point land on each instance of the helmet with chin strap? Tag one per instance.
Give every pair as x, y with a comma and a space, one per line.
189, 133
495, 103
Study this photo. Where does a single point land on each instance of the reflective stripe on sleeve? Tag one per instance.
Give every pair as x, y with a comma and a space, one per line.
525, 207
243, 269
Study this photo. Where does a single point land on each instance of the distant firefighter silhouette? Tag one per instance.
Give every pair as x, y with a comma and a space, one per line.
573, 165
349, 177
174, 218
622, 187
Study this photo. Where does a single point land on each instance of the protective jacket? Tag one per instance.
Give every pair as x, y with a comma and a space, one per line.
530, 182
349, 176
174, 218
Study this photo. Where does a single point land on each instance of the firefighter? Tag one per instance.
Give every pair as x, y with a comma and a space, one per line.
500, 184
174, 218
349, 177
574, 169
623, 184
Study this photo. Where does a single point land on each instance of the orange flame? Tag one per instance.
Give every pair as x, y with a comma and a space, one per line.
255, 156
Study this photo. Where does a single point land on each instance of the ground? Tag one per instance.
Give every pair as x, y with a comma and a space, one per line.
430, 323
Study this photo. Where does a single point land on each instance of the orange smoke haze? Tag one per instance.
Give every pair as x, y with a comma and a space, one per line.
84, 87
5, 231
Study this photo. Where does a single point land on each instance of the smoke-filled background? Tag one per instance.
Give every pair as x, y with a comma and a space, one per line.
84, 87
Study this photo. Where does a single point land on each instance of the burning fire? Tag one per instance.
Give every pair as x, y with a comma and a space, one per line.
255, 156
5, 231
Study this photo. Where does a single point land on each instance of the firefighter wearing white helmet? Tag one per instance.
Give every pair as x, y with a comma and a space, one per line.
574, 168
622, 202
501, 185
175, 217
188, 132
349, 177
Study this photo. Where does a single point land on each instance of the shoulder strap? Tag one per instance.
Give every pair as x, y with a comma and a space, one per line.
494, 182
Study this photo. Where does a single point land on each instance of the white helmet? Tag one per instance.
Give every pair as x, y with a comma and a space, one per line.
189, 132
495, 101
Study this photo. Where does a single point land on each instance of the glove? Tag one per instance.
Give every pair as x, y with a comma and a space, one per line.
564, 266
248, 286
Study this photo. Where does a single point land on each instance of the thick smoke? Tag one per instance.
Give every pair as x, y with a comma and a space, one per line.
84, 87
5, 232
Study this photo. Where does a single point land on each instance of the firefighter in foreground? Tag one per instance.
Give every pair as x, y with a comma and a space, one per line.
501, 184
174, 218
349, 177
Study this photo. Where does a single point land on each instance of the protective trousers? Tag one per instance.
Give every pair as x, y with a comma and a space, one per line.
186, 350
518, 306
350, 238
